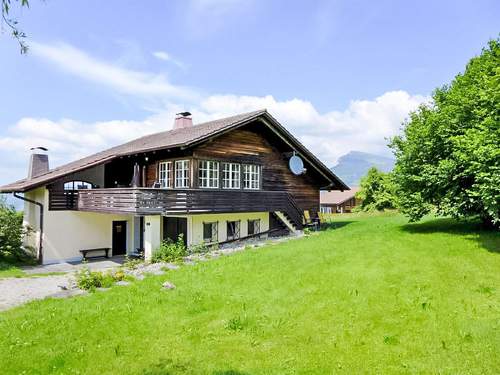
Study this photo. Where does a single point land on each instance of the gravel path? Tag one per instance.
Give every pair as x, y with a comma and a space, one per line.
16, 291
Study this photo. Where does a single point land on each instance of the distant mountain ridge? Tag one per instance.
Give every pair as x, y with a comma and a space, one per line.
354, 165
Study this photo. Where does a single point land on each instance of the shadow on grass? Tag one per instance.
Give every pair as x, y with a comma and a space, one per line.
488, 239
336, 224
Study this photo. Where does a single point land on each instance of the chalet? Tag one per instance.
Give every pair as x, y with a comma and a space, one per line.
214, 182
339, 201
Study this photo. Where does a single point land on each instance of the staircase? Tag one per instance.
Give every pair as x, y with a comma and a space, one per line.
291, 215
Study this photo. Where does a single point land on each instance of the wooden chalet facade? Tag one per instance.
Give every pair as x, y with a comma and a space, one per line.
212, 182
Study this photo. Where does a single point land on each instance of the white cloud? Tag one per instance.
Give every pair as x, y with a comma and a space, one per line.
122, 80
164, 56
161, 55
364, 125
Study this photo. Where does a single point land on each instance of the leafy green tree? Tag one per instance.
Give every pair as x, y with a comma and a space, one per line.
448, 157
377, 191
11, 234
12, 23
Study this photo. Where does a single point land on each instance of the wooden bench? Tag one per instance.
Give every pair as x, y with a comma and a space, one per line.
101, 249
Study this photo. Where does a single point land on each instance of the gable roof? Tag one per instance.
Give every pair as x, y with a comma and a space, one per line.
168, 139
337, 197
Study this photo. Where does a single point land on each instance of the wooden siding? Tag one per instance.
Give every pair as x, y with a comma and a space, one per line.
253, 145
146, 201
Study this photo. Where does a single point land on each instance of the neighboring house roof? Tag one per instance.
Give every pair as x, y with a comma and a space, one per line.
169, 139
337, 197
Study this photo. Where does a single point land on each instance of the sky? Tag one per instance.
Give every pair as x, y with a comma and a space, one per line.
340, 75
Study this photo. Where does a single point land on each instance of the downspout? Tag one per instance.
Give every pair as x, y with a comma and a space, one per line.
40, 244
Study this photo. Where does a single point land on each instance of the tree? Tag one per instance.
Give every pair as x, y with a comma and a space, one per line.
448, 157
377, 191
18, 34
11, 234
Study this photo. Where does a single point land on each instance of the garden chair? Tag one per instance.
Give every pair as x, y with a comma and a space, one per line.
308, 222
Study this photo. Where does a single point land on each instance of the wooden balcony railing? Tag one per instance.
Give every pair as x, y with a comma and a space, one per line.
149, 201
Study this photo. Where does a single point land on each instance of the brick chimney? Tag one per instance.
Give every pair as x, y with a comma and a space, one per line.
183, 120
39, 162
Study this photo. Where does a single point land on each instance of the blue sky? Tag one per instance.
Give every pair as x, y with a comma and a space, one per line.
341, 75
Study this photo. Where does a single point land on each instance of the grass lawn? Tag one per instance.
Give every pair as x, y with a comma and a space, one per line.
375, 295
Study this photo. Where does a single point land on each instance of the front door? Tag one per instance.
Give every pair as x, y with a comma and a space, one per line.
173, 227
119, 237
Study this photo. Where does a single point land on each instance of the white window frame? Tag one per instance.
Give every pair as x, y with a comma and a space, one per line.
214, 229
182, 173
77, 185
231, 176
165, 172
256, 226
208, 174
237, 230
251, 176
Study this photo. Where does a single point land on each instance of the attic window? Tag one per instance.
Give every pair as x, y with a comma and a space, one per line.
77, 185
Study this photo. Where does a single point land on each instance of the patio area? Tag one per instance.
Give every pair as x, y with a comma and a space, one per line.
97, 264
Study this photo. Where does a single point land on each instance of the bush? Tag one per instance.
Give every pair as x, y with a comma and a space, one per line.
90, 280
11, 235
131, 264
170, 251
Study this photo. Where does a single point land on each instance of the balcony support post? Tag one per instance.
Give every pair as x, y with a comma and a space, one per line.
152, 235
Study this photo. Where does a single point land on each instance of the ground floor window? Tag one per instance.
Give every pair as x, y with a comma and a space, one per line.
233, 230
253, 226
210, 232
326, 209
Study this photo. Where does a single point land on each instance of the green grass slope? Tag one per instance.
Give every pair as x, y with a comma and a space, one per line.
374, 295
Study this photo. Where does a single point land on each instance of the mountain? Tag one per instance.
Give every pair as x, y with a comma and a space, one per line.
354, 165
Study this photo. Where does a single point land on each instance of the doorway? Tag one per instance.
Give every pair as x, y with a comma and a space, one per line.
173, 227
119, 240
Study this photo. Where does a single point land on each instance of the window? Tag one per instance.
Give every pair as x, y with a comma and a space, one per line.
165, 174
231, 176
233, 230
326, 209
251, 176
253, 226
182, 173
210, 232
208, 174
75, 185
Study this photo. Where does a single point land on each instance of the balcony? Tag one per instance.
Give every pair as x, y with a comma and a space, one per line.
149, 201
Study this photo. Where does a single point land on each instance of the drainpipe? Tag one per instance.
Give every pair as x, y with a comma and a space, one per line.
40, 244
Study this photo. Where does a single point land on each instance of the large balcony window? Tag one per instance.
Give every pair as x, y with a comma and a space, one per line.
231, 178
251, 176
165, 174
208, 174
182, 173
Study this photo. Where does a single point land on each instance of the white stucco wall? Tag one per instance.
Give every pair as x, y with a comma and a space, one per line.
67, 232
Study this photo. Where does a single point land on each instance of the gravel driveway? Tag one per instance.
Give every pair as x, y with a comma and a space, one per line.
16, 291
